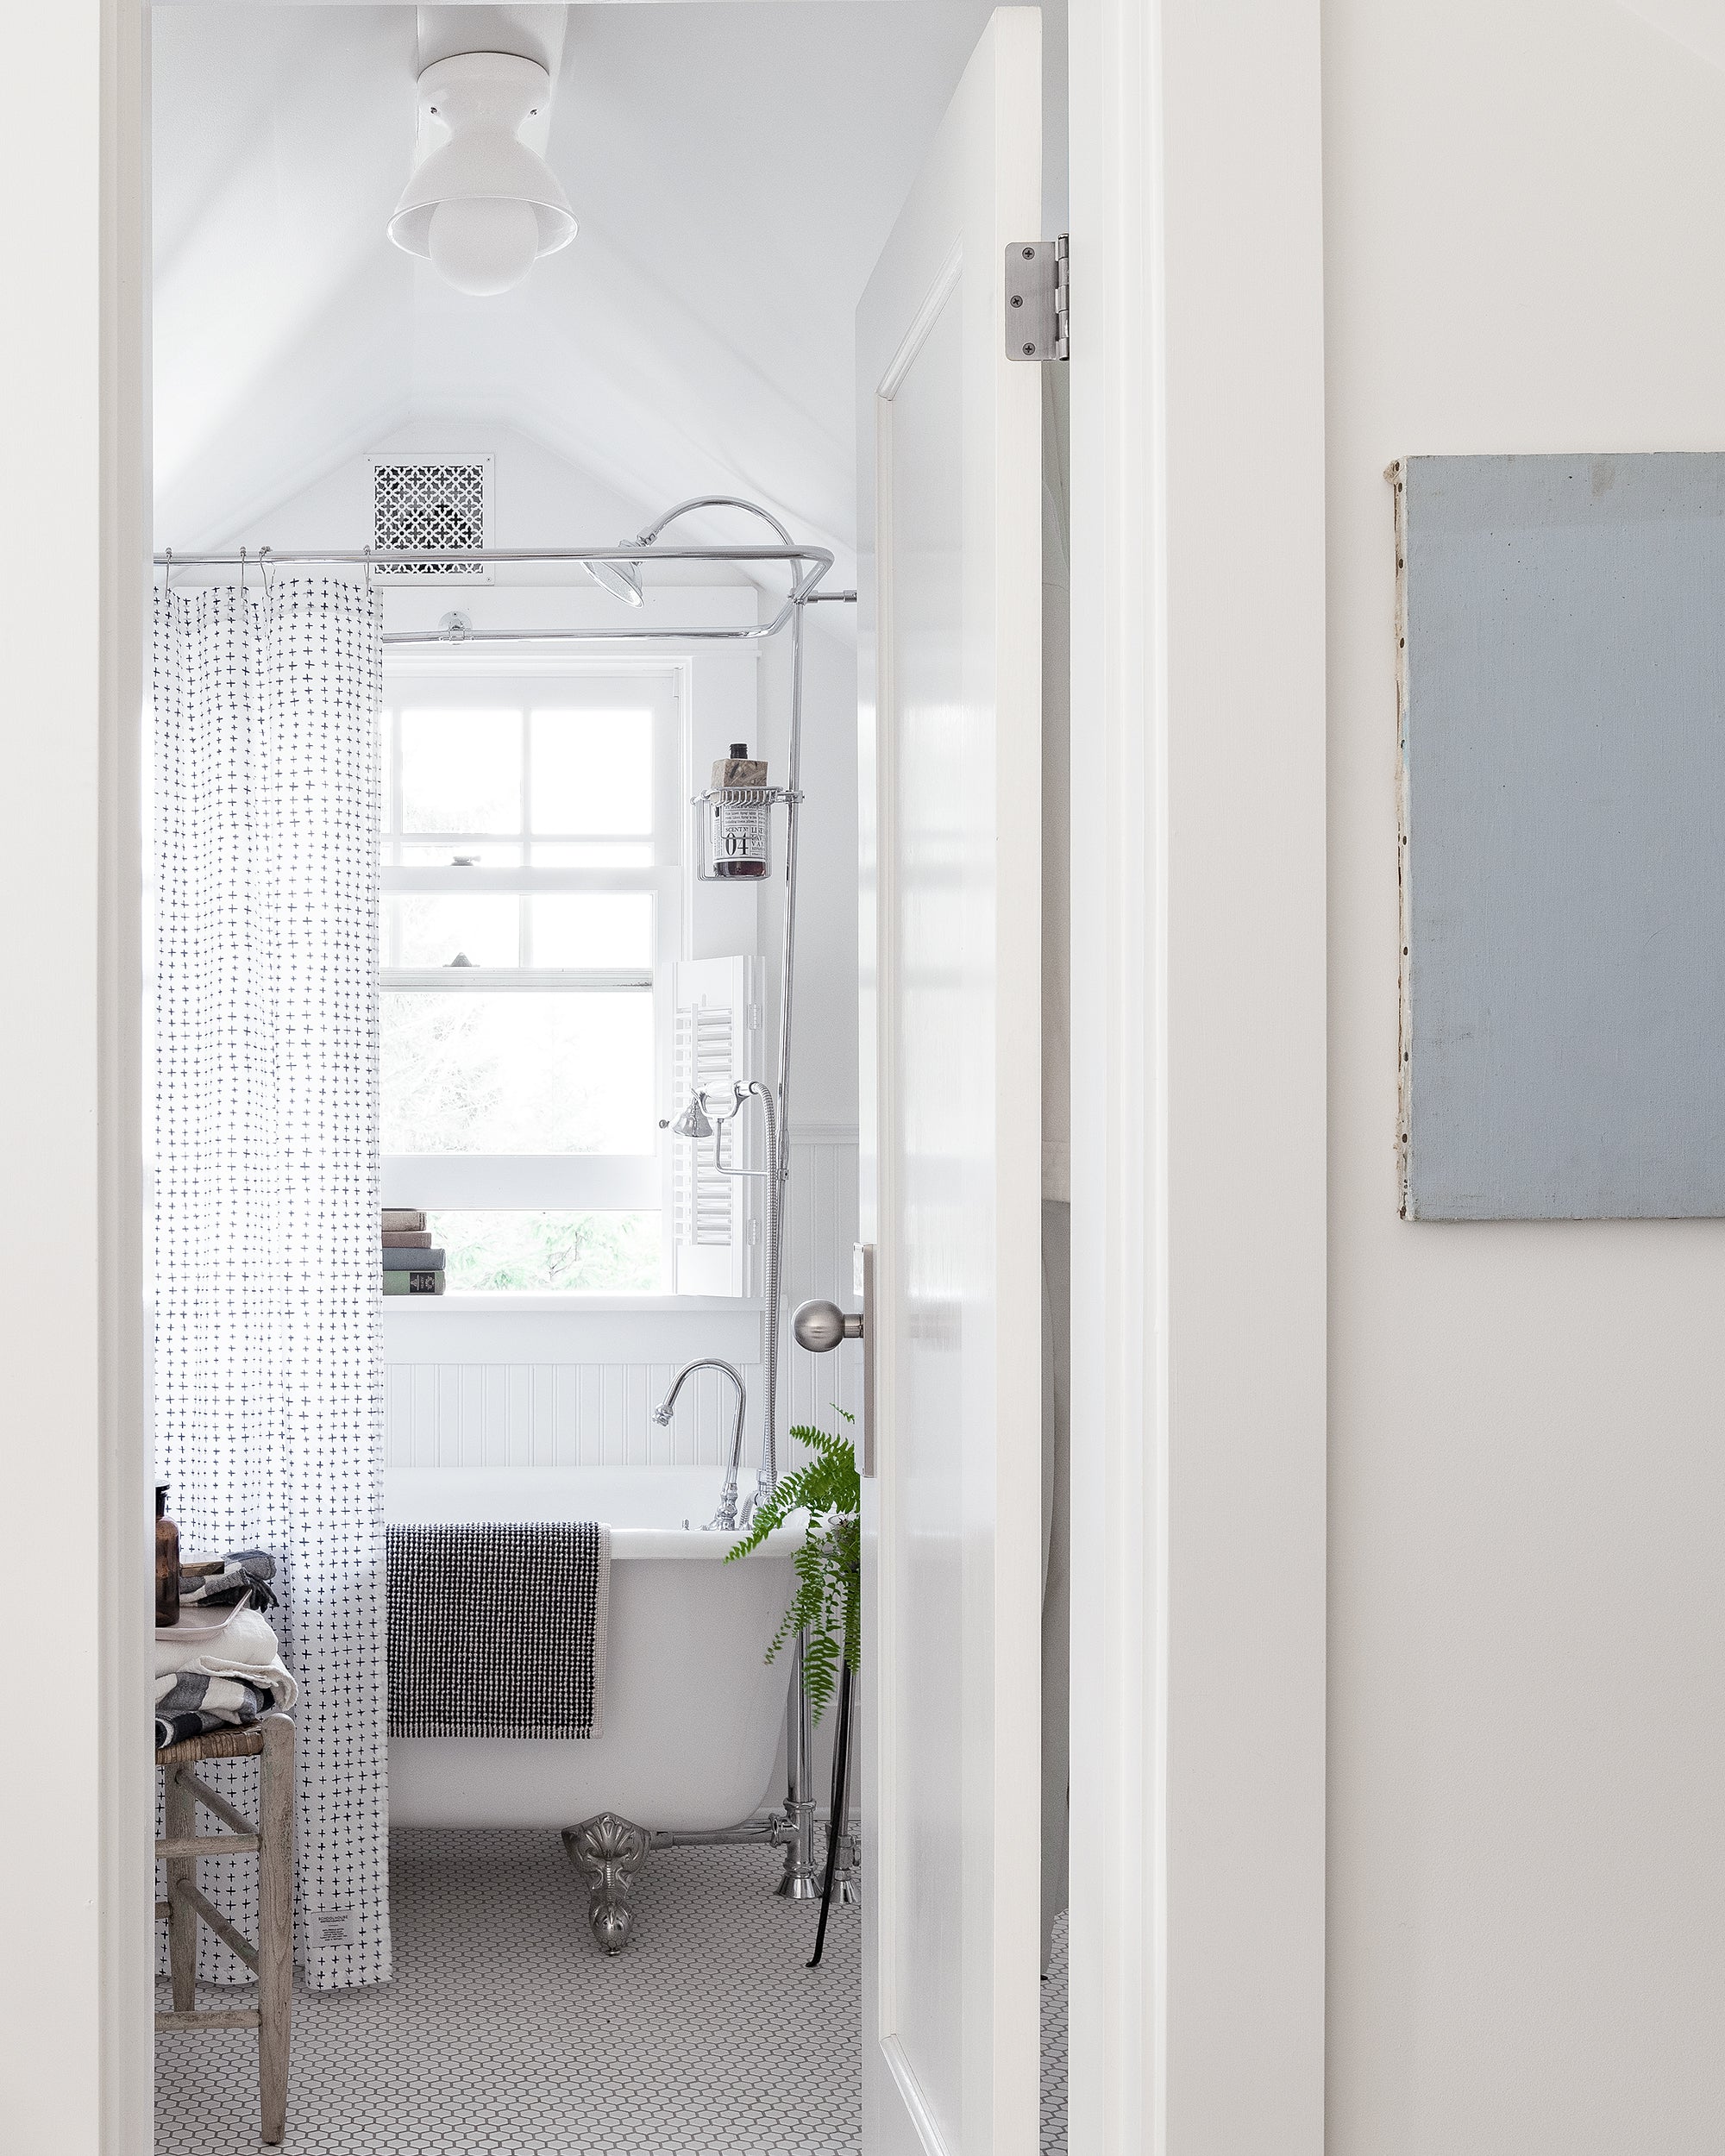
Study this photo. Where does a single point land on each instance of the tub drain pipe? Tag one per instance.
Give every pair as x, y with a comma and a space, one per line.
774, 1832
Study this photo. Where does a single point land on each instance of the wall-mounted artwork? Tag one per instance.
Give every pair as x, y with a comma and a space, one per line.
1562, 646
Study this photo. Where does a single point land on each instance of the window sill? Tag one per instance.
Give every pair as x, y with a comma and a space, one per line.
512, 1302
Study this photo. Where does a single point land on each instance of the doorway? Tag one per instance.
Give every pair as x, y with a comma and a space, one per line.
311, 396
1231, 106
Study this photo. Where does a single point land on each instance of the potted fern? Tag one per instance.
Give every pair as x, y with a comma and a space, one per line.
826, 1608
826, 1604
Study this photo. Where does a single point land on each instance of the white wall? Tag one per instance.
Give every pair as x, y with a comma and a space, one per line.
1525, 251
538, 498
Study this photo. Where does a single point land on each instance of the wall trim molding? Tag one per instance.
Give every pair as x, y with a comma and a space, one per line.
1198, 1088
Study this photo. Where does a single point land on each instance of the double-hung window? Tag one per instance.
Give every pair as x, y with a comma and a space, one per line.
532, 820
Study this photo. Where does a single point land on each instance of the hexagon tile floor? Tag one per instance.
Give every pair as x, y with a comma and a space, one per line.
506, 2031
1054, 2047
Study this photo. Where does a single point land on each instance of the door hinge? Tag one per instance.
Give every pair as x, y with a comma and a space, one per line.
1039, 282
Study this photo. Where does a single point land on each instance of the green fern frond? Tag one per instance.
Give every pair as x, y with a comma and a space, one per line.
826, 1604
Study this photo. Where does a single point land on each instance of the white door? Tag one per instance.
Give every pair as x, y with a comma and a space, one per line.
950, 651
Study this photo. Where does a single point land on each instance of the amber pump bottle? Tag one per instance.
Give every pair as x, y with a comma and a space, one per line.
167, 1564
739, 834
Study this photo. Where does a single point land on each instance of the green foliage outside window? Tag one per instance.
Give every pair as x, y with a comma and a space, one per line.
549, 1252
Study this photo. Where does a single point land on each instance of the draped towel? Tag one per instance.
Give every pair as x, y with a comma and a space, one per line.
268, 1375
499, 1631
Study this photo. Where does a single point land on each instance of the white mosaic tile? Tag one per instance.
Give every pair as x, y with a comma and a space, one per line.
505, 2030
506, 2033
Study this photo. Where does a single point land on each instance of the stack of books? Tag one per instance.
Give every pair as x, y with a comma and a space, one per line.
411, 1265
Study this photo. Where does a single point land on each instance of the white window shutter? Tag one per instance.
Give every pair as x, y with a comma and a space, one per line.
717, 1219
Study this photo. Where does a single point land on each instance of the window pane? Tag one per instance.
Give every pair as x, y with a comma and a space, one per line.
423, 929
592, 929
461, 771
592, 771
592, 853
517, 1071
546, 1252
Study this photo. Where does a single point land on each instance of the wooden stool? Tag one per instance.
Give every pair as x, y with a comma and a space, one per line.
272, 1842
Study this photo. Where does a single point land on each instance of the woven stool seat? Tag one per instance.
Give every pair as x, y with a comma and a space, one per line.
219, 1744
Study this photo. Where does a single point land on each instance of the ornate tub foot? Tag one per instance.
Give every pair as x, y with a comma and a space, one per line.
607, 1852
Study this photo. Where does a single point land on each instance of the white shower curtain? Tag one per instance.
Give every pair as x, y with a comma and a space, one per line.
267, 1355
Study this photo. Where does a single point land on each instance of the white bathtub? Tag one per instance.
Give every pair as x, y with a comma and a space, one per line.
691, 1713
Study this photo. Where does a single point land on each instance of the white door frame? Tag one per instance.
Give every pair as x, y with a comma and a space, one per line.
1198, 1089
75, 1802
1198, 1099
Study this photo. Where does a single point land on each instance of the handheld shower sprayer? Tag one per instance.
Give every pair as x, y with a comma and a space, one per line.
693, 1123
703, 1115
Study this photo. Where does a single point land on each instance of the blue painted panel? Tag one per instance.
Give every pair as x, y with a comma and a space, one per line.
1563, 745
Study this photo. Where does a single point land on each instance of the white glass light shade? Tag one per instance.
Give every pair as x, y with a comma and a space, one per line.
482, 205
483, 246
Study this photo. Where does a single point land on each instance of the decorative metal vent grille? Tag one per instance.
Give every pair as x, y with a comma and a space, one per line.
432, 504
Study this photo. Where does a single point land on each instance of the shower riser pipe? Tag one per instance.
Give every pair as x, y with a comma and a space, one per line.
802, 1881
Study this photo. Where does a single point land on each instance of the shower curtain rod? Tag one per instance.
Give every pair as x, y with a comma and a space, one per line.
814, 561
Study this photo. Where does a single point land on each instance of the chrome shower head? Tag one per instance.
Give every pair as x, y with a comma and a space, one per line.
621, 579
661, 1415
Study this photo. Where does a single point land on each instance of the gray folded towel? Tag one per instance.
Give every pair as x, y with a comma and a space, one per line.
245, 1576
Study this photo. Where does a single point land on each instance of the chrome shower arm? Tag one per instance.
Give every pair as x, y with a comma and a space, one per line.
650, 538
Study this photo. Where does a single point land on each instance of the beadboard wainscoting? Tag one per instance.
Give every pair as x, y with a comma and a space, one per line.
472, 1382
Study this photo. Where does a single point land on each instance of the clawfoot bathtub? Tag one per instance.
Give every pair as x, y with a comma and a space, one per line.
691, 1710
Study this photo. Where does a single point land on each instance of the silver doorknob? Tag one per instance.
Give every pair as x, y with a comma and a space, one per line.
819, 1326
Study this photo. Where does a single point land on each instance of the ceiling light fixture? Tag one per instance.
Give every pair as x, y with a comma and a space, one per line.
481, 205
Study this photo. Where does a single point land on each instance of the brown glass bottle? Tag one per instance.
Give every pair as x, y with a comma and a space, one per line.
739, 826
167, 1563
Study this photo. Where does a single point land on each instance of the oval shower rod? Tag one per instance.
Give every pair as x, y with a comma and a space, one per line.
809, 565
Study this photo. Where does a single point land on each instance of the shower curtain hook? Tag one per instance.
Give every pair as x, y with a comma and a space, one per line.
268, 568
242, 580
167, 571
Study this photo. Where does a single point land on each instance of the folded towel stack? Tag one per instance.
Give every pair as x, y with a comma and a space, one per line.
243, 1576
227, 1679
411, 1265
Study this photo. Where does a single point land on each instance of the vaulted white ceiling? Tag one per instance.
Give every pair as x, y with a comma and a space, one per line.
735, 166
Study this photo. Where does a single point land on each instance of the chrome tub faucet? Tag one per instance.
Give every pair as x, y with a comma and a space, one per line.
725, 1520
